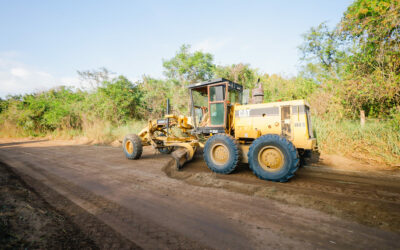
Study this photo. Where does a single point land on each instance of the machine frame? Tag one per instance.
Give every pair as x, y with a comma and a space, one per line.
269, 136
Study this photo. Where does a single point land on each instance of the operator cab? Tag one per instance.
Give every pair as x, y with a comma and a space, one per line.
211, 102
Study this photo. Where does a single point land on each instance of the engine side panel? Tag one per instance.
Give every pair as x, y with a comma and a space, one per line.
288, 119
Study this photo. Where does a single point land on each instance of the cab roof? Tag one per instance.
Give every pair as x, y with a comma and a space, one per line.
232, 85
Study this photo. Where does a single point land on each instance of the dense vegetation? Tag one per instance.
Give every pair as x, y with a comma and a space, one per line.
351, 68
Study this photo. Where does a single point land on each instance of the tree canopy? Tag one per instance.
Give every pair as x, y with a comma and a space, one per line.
189, 67
363, 51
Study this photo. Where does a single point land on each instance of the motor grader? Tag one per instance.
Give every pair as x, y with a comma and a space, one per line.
269, 137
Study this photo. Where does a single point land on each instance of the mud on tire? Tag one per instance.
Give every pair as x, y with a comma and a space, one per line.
222, 153
132, 146
283, 147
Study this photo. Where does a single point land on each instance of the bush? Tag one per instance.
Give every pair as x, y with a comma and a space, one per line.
117, 101
278, 88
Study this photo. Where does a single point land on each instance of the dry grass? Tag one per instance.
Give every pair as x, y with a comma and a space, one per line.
10, 130
98, 132
377, 141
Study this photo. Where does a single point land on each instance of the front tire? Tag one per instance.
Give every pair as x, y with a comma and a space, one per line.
221, 153
273, 158
132, 146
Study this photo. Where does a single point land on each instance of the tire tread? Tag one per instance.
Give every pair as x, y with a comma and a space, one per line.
292, 151
233, 143
137, 146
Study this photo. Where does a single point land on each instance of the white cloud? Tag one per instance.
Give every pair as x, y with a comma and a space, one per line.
18, 78
19, 72
211, 45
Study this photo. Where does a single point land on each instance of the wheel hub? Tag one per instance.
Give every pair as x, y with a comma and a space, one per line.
271, 158
129, 146
220, 154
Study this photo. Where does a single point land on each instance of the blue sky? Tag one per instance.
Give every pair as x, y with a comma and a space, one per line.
44, 43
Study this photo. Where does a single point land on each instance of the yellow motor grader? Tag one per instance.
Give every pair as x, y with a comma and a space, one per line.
270, 137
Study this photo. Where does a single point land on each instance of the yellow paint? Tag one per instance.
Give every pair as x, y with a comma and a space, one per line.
190, 147
129, 147
271, 158
219, 154
254, 127
245, 127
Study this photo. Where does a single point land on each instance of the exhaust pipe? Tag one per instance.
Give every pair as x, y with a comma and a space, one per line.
258, 93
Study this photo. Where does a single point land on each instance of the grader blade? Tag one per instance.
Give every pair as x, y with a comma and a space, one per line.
181, 156
184, 153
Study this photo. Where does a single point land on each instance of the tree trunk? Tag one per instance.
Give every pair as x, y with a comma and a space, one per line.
362, 118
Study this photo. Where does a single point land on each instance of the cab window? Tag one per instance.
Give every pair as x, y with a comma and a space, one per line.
217, 93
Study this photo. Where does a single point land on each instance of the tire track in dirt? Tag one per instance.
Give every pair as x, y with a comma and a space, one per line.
27, 221
370, 201
102, 234
151, 234
141, 204
138, 229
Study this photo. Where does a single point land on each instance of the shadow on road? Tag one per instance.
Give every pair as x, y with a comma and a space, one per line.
21, 142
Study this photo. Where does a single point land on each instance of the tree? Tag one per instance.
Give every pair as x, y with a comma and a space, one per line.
372, 80
240, 73
321, 49
2, 105
187, 67
155, 94
277, 88
358, 61
94, 78
375, 27
117, 100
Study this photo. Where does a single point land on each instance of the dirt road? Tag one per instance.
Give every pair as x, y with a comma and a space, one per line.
28, 222
147, 204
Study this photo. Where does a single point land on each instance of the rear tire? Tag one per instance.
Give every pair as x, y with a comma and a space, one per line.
132, 146
221, 153
273, 158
